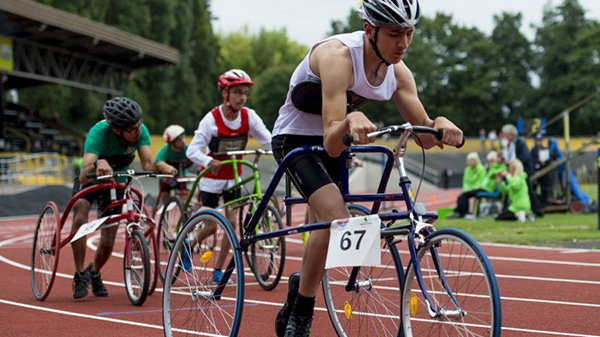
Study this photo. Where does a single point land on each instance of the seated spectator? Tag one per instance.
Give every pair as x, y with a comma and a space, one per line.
464, 207
514, 185
474, 173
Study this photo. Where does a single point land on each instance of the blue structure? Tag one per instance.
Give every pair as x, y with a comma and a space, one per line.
577, 192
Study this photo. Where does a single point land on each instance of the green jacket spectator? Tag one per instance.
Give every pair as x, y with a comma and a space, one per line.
518, 192
489, 183
474, 173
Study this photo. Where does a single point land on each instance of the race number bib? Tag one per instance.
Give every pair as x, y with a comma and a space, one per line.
354, 242
88, 228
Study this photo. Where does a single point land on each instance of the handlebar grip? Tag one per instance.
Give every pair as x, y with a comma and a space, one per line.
90, 175
347, 139
440, 134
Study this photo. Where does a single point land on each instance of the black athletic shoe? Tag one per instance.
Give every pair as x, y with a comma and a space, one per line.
298, 326
98, 288
81, 282
283, 315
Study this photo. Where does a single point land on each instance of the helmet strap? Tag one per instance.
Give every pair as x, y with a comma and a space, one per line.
373, 42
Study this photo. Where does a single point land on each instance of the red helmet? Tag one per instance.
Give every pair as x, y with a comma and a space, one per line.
233, 77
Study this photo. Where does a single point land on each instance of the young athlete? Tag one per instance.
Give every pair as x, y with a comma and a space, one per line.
351, 68
225, 128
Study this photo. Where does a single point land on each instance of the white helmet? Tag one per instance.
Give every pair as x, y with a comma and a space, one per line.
173, 132
390, 13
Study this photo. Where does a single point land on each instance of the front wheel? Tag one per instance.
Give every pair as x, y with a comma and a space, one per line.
370, 306
136, 267
45, 251
199, 300
468, 275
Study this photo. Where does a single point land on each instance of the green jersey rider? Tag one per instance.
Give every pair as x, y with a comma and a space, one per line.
173, 153
110, 145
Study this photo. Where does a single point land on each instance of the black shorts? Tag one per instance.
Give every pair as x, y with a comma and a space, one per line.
311, 171
212, 199
102, 197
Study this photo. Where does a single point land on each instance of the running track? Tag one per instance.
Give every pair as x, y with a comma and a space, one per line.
545, 292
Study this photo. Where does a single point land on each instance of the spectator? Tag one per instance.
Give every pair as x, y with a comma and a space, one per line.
482, 138
514, 185
493, 137
474, 173
464, 206
541, 157
516, 148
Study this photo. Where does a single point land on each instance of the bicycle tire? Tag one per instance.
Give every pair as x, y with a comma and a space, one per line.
268, 256
373, 308
472, 269
136, 245
172, 213
189, 303
44, 258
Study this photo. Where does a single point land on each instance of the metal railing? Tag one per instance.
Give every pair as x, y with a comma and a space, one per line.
34, 169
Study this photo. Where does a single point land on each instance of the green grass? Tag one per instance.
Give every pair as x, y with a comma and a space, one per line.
557, 229
591, 190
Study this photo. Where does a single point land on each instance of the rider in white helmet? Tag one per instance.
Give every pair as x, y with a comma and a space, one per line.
173, 153
349, 69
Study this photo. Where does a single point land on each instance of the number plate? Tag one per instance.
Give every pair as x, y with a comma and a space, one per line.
89, 227
354, 242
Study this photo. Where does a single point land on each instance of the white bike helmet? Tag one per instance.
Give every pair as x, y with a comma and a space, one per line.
173, 132
390, 13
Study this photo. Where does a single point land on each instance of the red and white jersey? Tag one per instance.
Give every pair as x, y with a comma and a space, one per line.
213, 126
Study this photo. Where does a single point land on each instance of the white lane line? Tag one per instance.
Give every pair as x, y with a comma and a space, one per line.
560, 249
76, 314
516, 299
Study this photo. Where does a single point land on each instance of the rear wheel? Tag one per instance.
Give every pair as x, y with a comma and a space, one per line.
45, 251
469, 277
372, 307
136, 268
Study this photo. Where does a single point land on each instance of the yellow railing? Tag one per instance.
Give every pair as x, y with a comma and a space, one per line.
34, 168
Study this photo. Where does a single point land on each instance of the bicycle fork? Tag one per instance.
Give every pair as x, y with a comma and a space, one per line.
433, 312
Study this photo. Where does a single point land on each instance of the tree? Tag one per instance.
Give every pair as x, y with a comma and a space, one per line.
270, 92
512, 57
567, 48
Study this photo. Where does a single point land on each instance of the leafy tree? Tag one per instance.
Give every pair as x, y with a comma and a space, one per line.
512, 61
567, 46
353, 23
270, 92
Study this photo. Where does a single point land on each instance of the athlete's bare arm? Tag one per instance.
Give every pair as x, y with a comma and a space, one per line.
331, 61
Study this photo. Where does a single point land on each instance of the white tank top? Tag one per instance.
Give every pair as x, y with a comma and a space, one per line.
292, 121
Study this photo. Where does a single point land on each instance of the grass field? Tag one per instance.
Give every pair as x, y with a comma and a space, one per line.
554, 229
557, 229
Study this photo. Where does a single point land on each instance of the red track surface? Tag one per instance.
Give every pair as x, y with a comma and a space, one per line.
545, 292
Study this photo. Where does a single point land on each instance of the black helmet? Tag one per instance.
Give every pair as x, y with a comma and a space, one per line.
122, 112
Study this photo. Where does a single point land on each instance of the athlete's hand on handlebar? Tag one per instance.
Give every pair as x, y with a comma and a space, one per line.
451, 135
359, 126
165, 168
103, 168
214, 166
